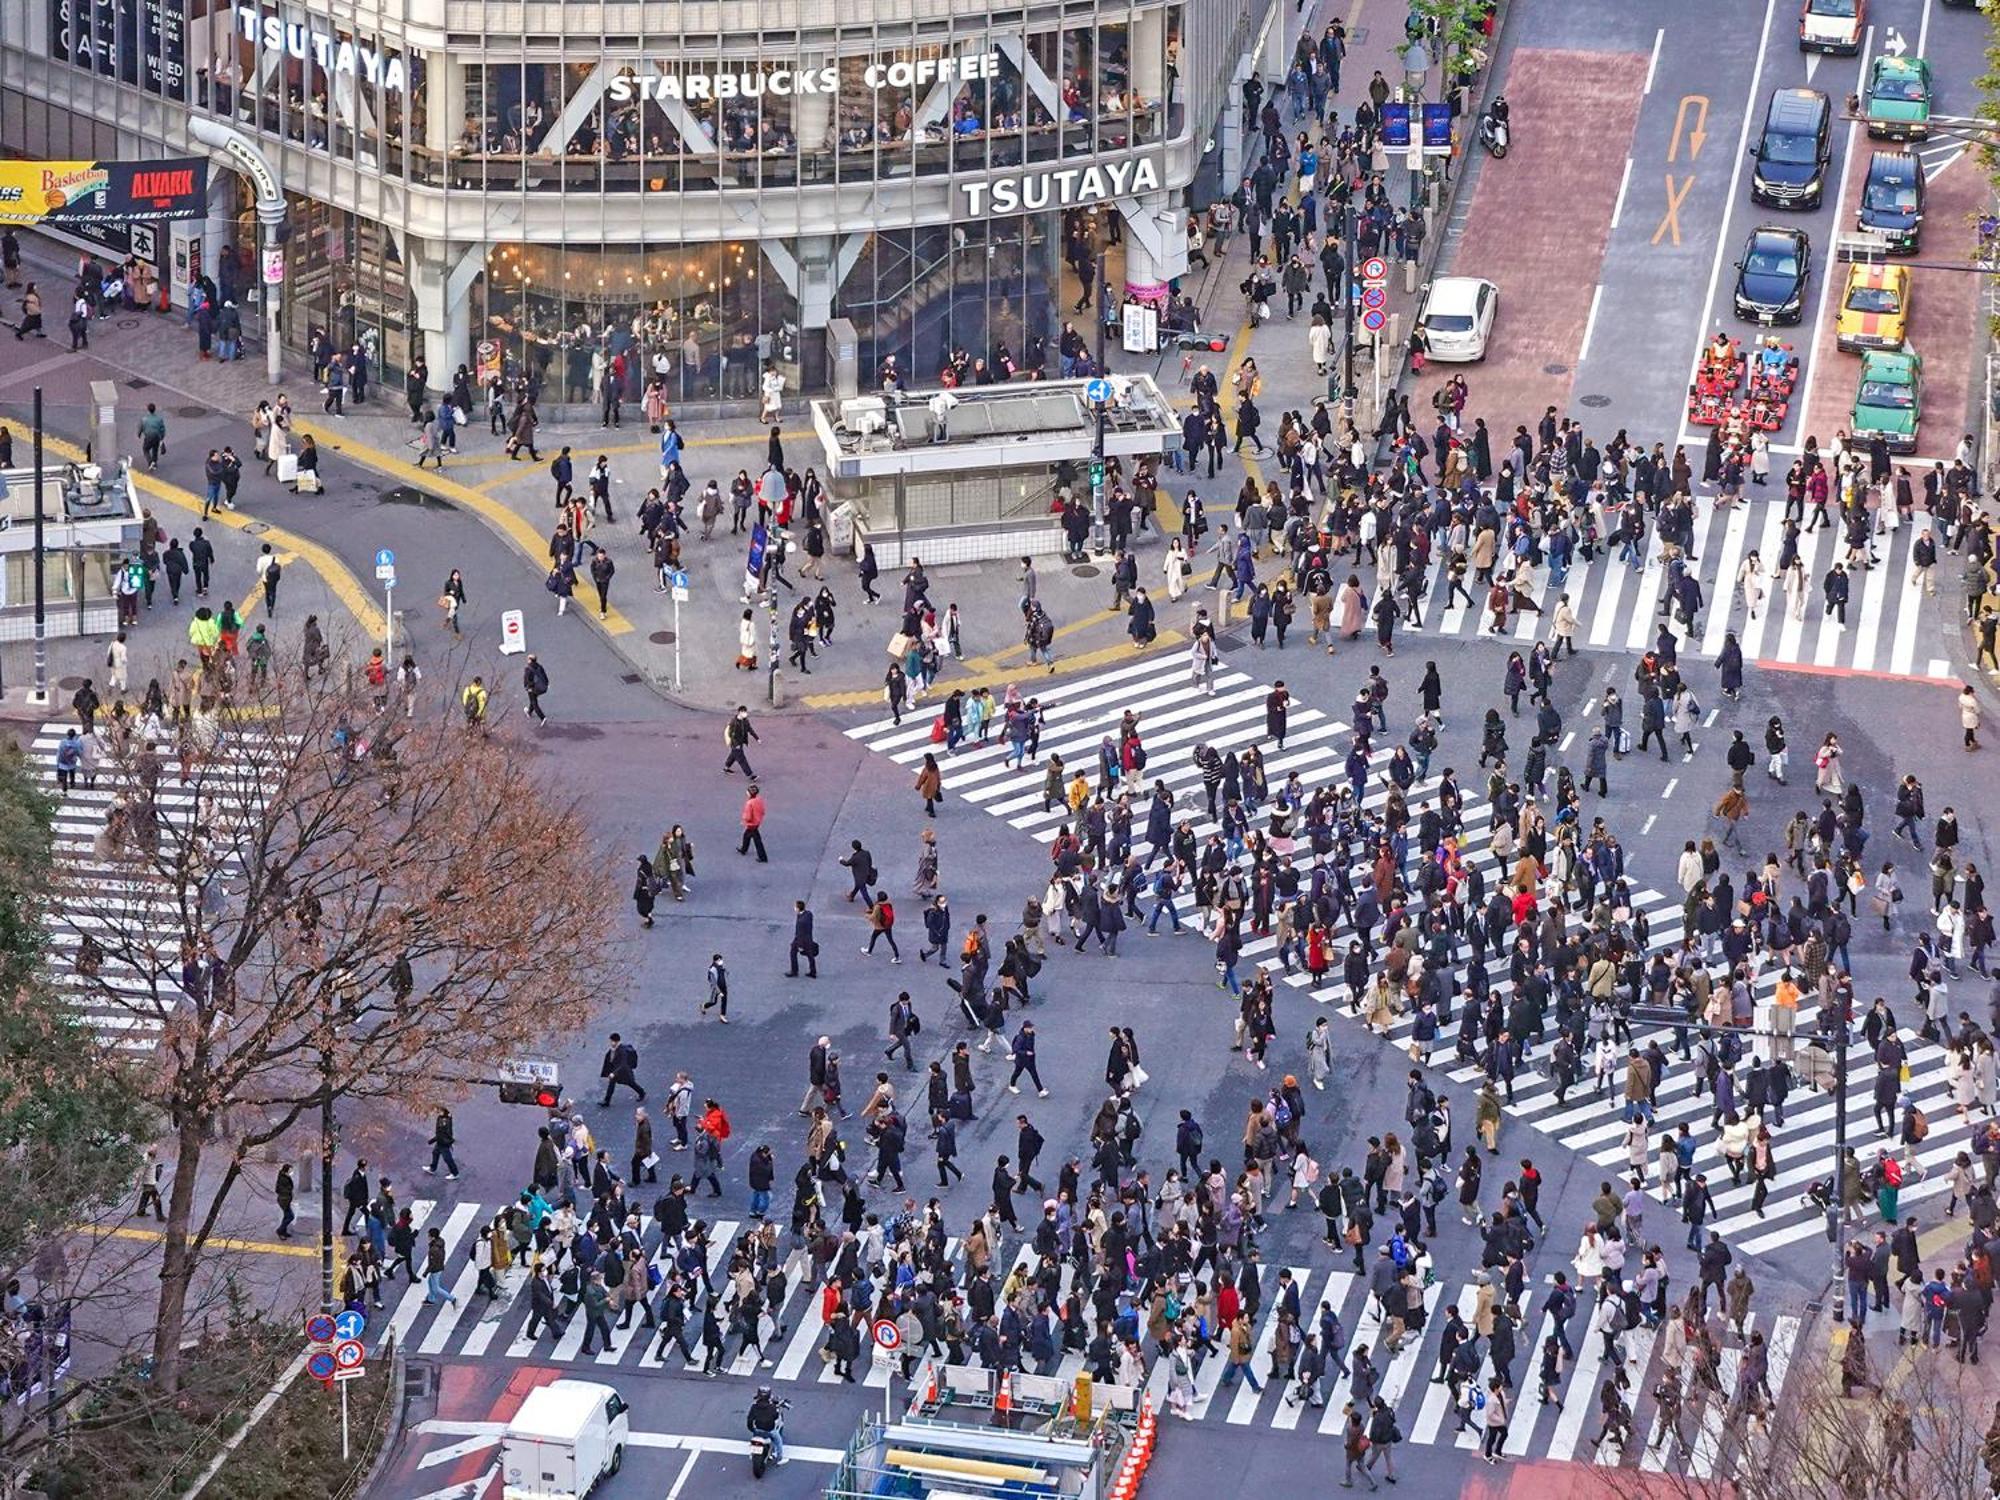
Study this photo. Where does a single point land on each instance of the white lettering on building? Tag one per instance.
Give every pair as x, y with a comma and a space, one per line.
912, 73
333, 54
1030, 192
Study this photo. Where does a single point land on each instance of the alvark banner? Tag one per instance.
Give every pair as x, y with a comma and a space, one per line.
95, 191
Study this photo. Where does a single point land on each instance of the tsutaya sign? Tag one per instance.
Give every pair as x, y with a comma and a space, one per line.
1061, 187
334, 54
914, 72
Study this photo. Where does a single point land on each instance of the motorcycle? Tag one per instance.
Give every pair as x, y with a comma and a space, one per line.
760, 1445
1493, 132
760, 1454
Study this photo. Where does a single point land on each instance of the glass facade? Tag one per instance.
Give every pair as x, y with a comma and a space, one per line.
466, 183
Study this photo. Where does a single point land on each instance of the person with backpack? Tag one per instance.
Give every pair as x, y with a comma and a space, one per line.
1383, 1434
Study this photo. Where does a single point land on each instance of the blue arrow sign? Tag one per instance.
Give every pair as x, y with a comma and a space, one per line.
1097, 391
349, 1324
676, 578
384, 558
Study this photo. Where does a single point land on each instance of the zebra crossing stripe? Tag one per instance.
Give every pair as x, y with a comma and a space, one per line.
1529, 1406
1243, 1410
1722, 596
481, 1338
411, 1302
1582, 1377
1706, 1450
1437, 1398
1332, 1291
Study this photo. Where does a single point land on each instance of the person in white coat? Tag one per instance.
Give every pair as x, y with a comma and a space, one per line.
1750, 581
1319, 343
1176, 568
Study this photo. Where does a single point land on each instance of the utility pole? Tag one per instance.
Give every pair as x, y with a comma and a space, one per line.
1348, 283
1099, 521
41, 694
329, 1294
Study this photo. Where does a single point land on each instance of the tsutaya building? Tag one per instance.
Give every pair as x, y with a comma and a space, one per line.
699, 186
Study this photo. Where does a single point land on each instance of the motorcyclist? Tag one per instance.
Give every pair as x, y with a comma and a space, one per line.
1498, 109
765, 1420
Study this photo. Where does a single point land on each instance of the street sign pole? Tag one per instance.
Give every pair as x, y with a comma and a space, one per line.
343, 1421
385, 574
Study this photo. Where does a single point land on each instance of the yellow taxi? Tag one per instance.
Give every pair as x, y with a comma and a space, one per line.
1875, 308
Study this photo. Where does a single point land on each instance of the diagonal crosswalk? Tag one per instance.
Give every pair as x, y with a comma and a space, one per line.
1173, 716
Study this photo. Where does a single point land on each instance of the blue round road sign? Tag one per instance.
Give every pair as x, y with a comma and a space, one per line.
384, 558
320, 1366
1097, 390
349, 1324
320, 1328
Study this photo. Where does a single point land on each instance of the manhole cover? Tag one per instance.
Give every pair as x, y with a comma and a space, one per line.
256, 528
1357, 36
1084, 570
69, 684
125, 323
661, 638
190, 411
630, 679
1594, 400
137, 384
1555, 369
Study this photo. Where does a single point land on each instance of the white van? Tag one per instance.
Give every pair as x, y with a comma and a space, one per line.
567, 1435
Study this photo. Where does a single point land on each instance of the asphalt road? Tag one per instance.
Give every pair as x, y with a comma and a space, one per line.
1611, 341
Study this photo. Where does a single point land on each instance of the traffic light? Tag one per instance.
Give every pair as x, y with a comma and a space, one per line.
538, 1094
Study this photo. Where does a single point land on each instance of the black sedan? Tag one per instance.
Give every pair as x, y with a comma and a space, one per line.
1771, 277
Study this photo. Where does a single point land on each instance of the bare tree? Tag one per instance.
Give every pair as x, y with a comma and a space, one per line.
315, 900
1926, 1429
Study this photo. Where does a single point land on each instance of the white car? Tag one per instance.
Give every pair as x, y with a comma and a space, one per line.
1457, 317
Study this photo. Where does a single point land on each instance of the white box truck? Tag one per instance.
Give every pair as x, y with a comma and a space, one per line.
567, 1435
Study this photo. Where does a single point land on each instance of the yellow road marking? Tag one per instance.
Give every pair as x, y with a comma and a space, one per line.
980, 663
1105, 656
1696, 136
1670, 223
502, 518
220, 1242
347, 588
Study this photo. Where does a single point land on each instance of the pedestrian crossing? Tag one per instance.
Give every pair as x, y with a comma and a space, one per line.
123, 905
1174, 714
793, 1352
1618, 605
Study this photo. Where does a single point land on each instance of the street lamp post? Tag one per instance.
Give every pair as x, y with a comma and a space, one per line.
1098, 519
41, 695
251, 161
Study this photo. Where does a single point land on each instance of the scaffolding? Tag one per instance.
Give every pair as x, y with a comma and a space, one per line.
985, 1433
